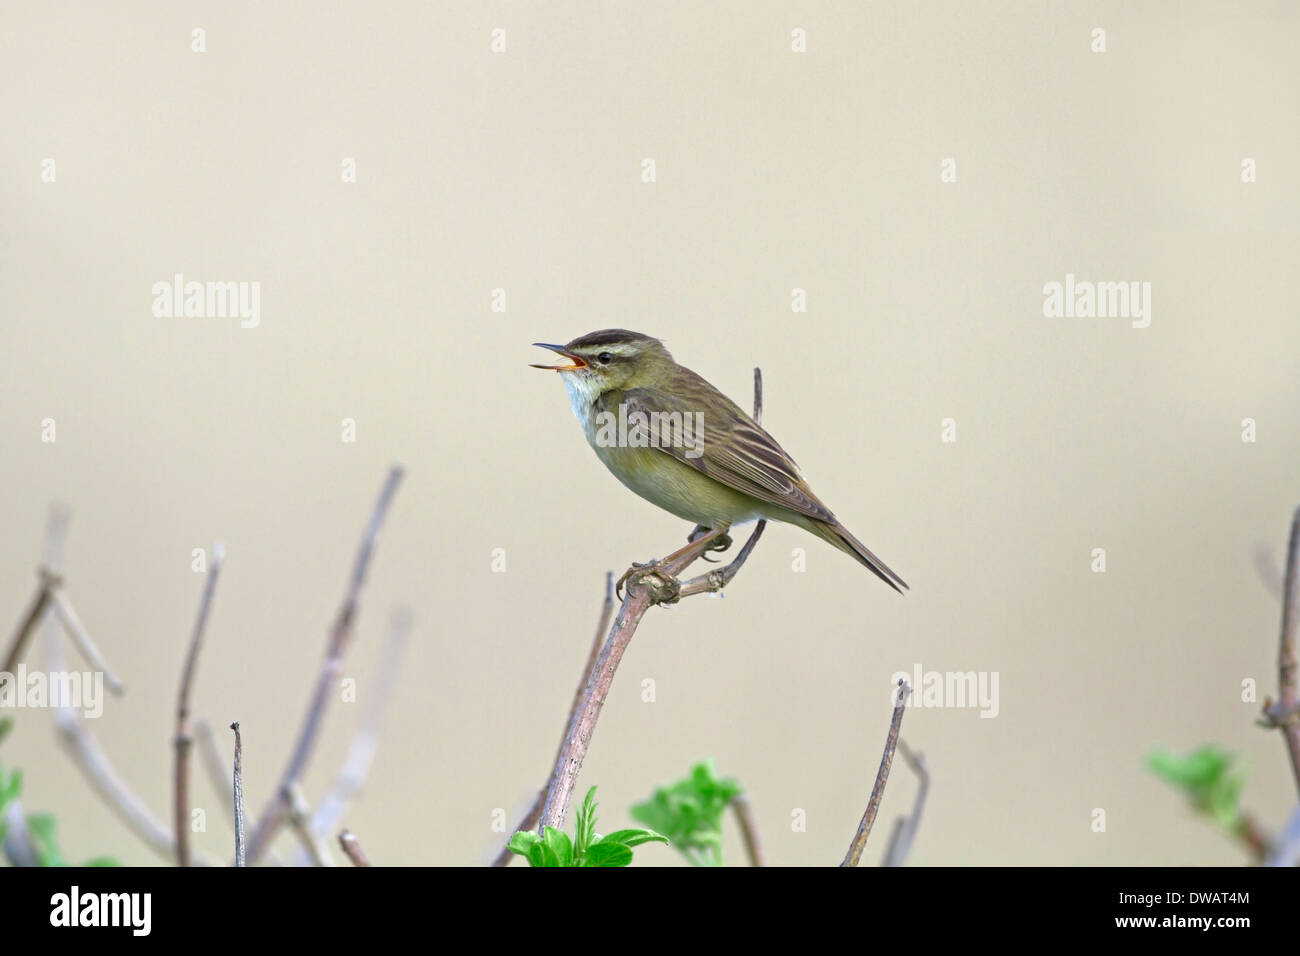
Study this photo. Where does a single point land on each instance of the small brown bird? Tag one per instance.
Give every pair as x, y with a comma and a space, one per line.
678, 442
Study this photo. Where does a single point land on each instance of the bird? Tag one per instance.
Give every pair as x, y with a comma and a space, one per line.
673, 438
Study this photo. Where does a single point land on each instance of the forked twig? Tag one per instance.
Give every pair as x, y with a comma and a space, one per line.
365, 743
84, 750
300, 824
273, 817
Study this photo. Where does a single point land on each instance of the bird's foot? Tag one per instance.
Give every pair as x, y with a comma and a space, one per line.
700, 531
664, 588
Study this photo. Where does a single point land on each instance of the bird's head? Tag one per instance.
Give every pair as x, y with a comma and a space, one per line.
610, 359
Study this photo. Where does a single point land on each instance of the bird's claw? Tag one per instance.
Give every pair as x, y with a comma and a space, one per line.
722, 544
664, 588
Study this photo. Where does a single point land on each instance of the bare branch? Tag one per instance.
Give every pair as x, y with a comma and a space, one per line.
273, 816
215, 764
534, 813
882, 777
19, 848
26, 627
84, 750
81, 637
748, 829
904, 832
712, 582
300, 824
1270, 575
1284, 713
183, 741
241, 858
352, 848
356, 765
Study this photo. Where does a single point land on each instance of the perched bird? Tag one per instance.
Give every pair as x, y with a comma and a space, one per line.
678, 442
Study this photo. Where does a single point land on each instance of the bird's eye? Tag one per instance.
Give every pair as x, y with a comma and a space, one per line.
604, 358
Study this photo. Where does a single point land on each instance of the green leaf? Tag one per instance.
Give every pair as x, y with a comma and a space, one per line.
10, 789
584, 826
41, 827
607, 854
631, 838
689, 813
1206, 778
102, 861
522, 842
537, 855
558, 844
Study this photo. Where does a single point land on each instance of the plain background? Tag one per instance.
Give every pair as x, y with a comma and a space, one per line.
775, 171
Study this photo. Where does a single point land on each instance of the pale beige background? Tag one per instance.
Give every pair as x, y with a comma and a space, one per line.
775, 171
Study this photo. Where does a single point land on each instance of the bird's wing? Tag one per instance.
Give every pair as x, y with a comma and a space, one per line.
733, 449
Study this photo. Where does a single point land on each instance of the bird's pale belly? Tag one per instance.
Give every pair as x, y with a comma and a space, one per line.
677, 487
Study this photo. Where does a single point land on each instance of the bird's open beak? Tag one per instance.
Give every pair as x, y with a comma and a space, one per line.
560, 350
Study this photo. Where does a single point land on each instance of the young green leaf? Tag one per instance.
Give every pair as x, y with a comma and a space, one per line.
523, 841
607, 854
1206, 778
558, 844
584, 826
689, 813
631, 838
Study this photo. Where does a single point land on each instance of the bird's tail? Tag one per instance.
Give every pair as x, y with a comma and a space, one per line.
839, 536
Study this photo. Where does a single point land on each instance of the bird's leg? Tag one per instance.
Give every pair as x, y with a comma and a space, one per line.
665, 569
722, 544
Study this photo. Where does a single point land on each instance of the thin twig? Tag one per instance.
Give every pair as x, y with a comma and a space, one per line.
642, 593
352, 848
300, 823
1284, 713
81, 637
904, 832
26, 627
534, 812
215, 764
19, 847
1269, 574
714, 581
274, 815
882, 777
237, 789
356, 765
740, 805
183, 741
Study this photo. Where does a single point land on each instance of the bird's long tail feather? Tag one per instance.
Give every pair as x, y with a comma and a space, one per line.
839, 536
